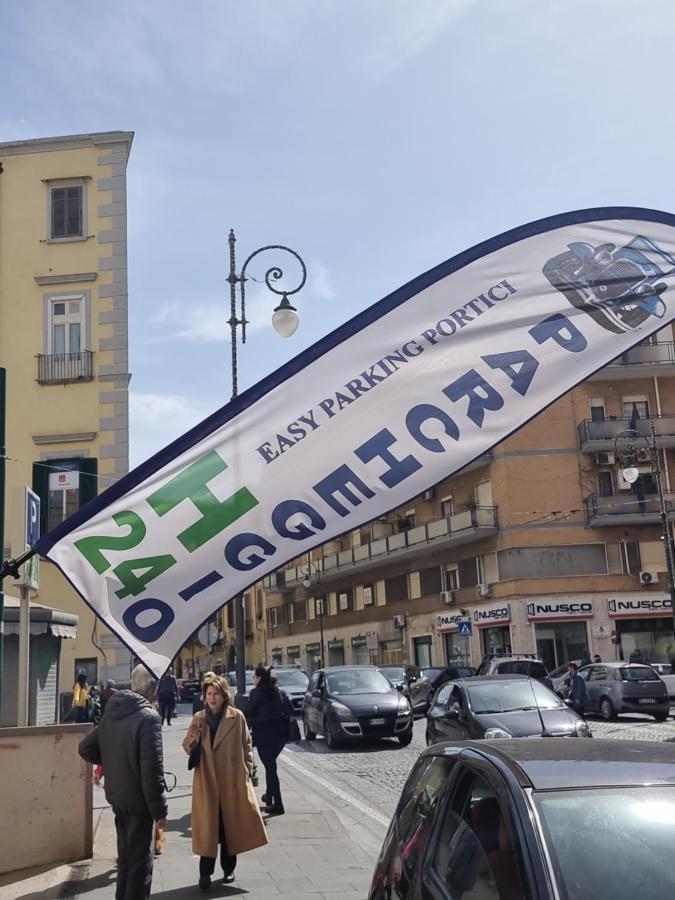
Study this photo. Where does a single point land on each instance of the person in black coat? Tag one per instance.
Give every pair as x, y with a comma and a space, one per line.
128, 744
268, 713
167, 694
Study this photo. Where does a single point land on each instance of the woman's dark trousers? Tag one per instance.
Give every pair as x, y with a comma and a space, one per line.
269, 745
207, 864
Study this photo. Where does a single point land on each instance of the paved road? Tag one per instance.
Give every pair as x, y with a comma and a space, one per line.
372, 775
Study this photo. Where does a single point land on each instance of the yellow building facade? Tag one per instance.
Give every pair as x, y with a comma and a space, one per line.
64, 345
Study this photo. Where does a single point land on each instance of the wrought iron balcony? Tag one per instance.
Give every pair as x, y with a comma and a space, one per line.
64, 367
453, 531
595, 436
639, 362
627, 509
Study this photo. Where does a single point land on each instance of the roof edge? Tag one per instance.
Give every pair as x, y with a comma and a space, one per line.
67, 142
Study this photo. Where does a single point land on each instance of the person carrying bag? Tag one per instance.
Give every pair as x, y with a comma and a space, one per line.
268, 714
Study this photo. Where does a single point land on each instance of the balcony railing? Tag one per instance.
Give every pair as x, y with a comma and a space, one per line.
594, 436
628, 509
64, 367
645, 359
460, 528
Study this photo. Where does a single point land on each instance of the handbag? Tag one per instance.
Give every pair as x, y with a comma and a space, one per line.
293, 731
195, 755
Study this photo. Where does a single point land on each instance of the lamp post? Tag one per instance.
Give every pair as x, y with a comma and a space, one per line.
285, 321
319, 604
626, 445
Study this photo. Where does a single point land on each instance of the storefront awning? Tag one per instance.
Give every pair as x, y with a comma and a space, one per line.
43, 620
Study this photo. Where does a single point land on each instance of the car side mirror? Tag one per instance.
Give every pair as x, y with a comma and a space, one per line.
568, 702
451, 713
316, 693
400, 688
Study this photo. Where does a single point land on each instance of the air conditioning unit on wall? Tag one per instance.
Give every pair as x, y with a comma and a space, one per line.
483, 590
604, 459
447, 597
647, 578
399, 621
644, 456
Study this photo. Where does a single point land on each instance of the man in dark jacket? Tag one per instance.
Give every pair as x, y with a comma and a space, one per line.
167, 694
578, 692
128, 744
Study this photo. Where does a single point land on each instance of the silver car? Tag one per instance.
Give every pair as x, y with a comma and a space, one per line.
665, 670
619, 687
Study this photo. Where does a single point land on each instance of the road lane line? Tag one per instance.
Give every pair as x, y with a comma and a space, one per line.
343, 795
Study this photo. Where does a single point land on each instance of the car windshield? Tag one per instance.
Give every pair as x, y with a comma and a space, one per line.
292, 678
509, 696
638, 673
358, 681
610, 844
432, 673
393, 672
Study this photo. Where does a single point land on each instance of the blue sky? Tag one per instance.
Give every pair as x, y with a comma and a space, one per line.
375, 137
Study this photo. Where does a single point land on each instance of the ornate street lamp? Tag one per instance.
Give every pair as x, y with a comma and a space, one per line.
627, 444
318, 601
285, 321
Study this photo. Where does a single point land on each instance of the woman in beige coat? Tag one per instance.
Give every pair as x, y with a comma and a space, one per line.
224, 806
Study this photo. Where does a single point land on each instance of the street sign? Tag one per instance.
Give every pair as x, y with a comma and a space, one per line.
31, 569
465, 629
371, 640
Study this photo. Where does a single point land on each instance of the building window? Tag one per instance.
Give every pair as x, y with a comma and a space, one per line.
447, 508
597, 409
605, 485
66, 218
274, 617
430, 581
422, 648
636, 407
291, 614
451, 577
63, 486
396, 588
319, 606
344, 601
64, 334
89, 666
631, 557
368, 595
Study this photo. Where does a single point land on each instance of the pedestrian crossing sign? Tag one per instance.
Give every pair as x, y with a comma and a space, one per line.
465, 629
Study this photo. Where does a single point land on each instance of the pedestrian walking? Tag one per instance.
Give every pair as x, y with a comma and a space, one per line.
80, 708
269, 712
128, 744
107, 692
95, 704
578, 693
167, 695
224, 806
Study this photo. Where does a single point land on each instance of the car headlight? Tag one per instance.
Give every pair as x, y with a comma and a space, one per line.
403, 706
496, 733
340, 710
581, 729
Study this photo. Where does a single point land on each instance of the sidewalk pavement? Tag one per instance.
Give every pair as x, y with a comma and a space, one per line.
321, 849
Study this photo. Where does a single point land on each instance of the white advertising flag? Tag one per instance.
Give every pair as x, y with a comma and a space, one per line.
405, 394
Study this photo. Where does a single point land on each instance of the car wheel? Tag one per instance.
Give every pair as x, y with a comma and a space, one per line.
661, 717
309, 734
404, 739
607, 711
331, 737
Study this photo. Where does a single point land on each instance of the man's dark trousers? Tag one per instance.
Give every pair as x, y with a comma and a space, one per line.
134, 855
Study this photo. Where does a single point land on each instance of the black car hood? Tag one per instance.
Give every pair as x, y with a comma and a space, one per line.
527, 723
364, 704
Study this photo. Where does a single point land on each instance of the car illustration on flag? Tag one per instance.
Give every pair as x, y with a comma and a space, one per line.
618, 286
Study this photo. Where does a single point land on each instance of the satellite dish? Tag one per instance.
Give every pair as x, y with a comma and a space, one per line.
630, 474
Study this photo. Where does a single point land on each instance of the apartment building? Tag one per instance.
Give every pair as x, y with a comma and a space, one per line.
540, 545
63, 342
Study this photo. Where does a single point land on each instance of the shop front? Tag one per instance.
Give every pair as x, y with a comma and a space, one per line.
277, 656
456, 647
313, 656
422, 651
494, 624
360, 651
336, 653
561, 630
293, 654
644, 628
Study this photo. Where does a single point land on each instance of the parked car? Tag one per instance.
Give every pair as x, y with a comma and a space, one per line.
232, 681
347, 703
188, 689
523, 664
438, 675
500, 706
619, 687
533, 820
412, 683
619, 287
293, 681
665, 672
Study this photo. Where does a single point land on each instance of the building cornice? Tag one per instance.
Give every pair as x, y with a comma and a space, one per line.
76, 278
67, 142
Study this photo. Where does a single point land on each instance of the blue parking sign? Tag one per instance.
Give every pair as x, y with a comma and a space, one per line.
31, 570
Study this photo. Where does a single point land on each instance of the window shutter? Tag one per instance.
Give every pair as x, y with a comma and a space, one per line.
41, 488
88, 480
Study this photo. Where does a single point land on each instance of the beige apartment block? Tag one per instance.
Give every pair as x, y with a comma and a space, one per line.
64, 344
541, 545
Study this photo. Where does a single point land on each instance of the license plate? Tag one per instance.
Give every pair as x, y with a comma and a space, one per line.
647, 700
377, 721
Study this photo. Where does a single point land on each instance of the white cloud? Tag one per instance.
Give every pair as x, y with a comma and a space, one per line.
319, 282
157, 419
